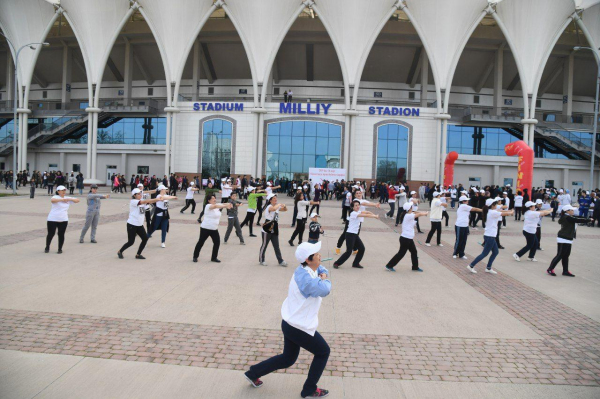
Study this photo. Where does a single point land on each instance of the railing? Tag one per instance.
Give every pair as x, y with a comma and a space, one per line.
131, 105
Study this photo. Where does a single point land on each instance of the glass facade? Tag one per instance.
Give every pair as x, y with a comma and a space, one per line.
6, 130
294, 147
474, 140
392, 152
216, 148
129, 131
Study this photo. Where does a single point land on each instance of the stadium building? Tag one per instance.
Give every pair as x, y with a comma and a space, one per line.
382, 88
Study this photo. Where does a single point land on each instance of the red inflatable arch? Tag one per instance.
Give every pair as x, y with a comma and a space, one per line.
525, 168
449, 168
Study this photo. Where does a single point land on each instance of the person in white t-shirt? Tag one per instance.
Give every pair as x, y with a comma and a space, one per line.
58, 218
518, 205
532, 217
135, 222
160, 219
270, 230
437, 208
409, 221
189, 198
492, 217
210, 227
226, 189
461, 226
352, 238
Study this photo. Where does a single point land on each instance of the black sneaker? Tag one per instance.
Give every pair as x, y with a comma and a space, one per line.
336, 266
215, 260
257, 383
291, 243
358, 266
46, 250
551, 272
252, 235
319, 393
139, 257
195, 260
568, 274
120, 255
94, 242
59, 251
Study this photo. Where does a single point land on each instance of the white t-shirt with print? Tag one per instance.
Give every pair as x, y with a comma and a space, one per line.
462, 215
136, 213
491, 223
408, 226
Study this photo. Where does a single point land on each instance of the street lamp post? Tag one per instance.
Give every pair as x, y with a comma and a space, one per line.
595, 131
15, 103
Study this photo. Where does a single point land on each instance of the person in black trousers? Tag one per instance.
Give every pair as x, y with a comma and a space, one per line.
352, 238
566, 235
135, 222
209, 227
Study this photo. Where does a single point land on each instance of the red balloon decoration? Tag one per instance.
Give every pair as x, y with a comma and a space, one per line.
449, 168
525, 166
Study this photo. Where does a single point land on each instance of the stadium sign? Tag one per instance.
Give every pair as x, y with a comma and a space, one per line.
304, 109
237, 107
396, 111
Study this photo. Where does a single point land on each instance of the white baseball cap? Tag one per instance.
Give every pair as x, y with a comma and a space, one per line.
407, 206
250, 188
529, 204
508, 185
135, 191
271, 196
489, 201
413, 192
463, 198
482, 191
312, 215
561, 191
539, 201
436, 194
161, 187
60, 188
505, 193
305, 250
568, 208
192, 183
269, 184
140, 185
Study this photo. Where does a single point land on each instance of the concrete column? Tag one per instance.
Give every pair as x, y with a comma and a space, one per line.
10, 76
173, 140
255, 168
269, 83
67, 69
567, 109
128, 72
424, 78
91, 146
260, 136
566, 184
61, 162
168, 145
196, 71
444, 147
496, 175
498, 71
88, 158
346, 149
352, 169
95, 146
23, 128
124, 163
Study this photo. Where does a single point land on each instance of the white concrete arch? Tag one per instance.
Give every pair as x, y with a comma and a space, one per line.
264, 23
25, 22
175, 26
590, 25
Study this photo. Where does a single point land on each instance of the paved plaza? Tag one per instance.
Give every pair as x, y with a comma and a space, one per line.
85, 324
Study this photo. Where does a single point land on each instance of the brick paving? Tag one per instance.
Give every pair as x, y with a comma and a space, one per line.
568, 352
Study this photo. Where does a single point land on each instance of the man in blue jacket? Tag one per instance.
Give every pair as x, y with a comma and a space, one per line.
300, 313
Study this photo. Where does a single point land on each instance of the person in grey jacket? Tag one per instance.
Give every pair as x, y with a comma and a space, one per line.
232, 219
92, 214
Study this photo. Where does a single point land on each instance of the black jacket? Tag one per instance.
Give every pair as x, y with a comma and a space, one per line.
568, 226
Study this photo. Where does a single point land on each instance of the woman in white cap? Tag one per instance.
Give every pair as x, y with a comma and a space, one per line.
135, 222
492, 218
518, 205
400, 201
437, 207
301, 217
58, 218
415, 207
461, 226
358, 196
252, 206
300, 313
227, 188
160, 219
567, 233
541, 206
189, 198
407, 236
352, 238
210, 227
146, 195
270, 230
92, 215
531, 219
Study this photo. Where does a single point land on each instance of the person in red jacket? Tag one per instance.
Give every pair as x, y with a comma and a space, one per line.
392, 201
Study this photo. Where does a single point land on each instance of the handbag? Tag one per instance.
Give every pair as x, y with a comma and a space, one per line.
269, 226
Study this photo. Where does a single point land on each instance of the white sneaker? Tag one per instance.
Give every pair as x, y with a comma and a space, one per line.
263, 264
532, 259
162, 245
454, 256
464, 257
541, 249
440, 245
284, 263
474, 228
471, 269
491, 271
516, 257
427, 244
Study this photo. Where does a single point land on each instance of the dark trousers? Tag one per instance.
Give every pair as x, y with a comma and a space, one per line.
445, 216
132, 231
266, 239
52, 227
233, 222
563, 253
461, 240
294, 216
50, 188
532, 245
406, 244
189, 202
538, 234
343, 237
216, 239
32, 192
498, 234
352, 240
399, 216
294, 339
162, 224
392, 208
518, 212
248, 220
435, 227
71, 189
345, 210
299, 230
318, 207
489, 245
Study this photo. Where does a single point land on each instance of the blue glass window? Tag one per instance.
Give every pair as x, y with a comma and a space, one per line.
216, 148
294, 147
392, 152
127, 131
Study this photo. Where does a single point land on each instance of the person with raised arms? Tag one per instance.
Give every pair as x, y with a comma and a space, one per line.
252, 207
92, 215
210, 227
407, 242
58, 218
531, 219
189, 198
461, 226
160, 219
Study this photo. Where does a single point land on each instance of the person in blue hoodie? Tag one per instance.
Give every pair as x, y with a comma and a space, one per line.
300, 314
